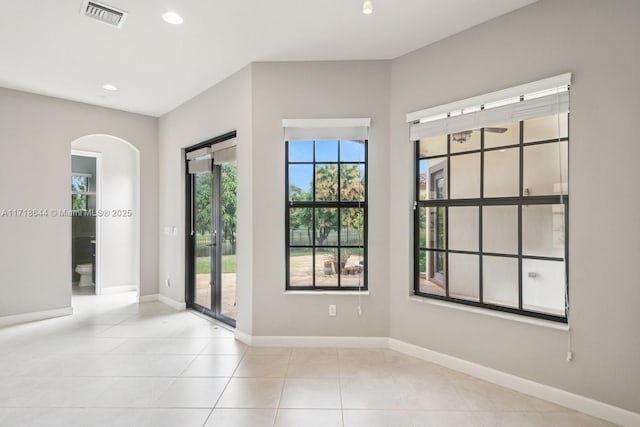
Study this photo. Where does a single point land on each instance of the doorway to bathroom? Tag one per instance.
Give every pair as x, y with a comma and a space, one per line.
85, 202
211, 230
115, 186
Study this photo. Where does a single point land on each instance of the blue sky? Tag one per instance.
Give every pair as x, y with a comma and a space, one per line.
326, 151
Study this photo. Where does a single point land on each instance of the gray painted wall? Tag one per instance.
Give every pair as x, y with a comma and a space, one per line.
220, 109
254, 101
598, 42
36, 134
317, 90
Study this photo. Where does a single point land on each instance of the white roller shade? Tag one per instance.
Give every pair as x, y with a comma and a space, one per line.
223, 145
523, 110
540, 100
308, 129
224, 156
200, 153
199, 160
199, 166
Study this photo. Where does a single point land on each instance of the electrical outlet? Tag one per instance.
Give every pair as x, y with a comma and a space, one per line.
168, 283
332, 310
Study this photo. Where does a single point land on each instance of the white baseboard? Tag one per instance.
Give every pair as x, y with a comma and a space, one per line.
311, 341
117, 290
243, 337
172, 303
38, 315
541, 391
147, 298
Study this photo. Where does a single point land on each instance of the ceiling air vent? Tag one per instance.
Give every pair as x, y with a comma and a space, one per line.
106, 14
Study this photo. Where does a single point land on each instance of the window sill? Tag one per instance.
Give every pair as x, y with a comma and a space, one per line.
486, 312
356, 293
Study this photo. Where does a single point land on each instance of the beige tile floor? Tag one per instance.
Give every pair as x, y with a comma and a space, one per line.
117, 363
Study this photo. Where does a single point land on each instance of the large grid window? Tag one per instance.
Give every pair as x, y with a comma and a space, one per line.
326, 214
491, 216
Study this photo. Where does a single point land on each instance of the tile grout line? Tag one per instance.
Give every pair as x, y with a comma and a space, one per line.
215, 404
284, 382
340, 387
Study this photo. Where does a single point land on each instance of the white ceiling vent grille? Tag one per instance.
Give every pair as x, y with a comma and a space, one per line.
106, 14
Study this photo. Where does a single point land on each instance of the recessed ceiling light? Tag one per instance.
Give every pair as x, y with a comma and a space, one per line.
367, 7
109, 87
172, 18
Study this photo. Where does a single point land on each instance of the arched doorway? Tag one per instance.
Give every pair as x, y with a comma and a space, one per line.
114, 211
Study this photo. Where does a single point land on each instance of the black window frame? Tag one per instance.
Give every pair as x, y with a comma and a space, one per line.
319, 204
519, 201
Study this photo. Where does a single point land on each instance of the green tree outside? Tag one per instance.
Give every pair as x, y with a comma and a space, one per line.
326, 189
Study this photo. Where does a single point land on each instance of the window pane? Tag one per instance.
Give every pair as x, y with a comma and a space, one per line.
229, 264
300, 267
301, 151
423, 226
463, 276
301, 226
79, 202
326, 171
543, 230
79, 183
432, 227
327, 151
465, 141
501, 135
327, 182
500, 229
326, 274
502, 173
351, 151
500, 281
327, 226
545, 167
464, 231
352, 226
352, 182
432, 272
433, 179
545, 128
352, 274
465, 176
434, 146
543, 287
300, 182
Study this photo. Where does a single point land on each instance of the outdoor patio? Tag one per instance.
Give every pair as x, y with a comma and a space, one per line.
301, 272
203, 293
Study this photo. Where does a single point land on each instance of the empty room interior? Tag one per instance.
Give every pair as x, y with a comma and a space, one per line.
337, 213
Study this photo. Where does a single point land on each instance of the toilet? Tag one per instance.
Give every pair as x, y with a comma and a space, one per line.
85, 271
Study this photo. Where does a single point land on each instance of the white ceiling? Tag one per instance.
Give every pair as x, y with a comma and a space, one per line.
48, 47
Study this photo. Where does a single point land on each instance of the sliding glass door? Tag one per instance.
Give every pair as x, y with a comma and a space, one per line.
211, 237
228, 220
203, 253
